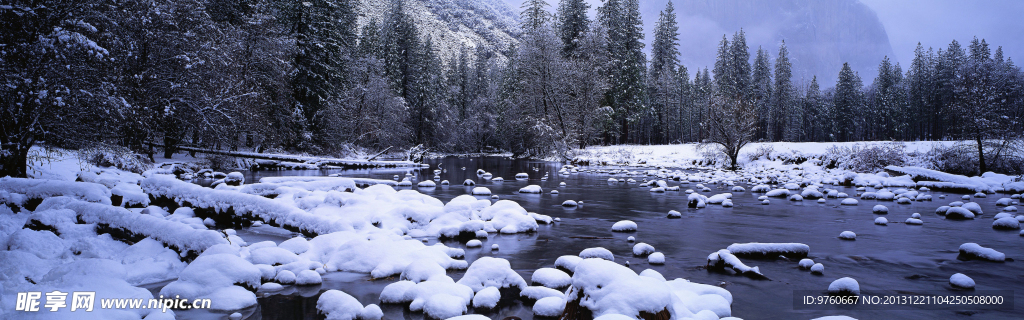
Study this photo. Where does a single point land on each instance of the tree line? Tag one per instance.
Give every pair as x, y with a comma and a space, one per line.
305, 77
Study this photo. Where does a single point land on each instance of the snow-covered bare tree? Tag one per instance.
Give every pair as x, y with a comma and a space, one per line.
731, 124
52, 70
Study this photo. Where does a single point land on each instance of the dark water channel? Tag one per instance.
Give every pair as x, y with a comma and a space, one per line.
891, 259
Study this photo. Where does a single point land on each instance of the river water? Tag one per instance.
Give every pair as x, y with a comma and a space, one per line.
891, 259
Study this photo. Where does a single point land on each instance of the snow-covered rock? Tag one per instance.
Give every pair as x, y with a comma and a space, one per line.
656, 258
849, 202
551, 278
972, 250
531, 189
881, 221
549, 307
491, 272
818, 269
769, 250
844, 286
879, 209
847, 235
961, 280
642, 249
597, 252
806, 263
624, 226
1006, 224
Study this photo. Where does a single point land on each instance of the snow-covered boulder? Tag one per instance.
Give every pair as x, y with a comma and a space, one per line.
959, 213
961, 280
818, 269
491, 272
972, 250
1006, 224
549, 307
531, 189
597, 252
624, 226
551, 278
879, 209
844, 286
569, 204
672, 214
656, 258
219, 277
847, 235
642, 249
849, 202
481, 191
806, 263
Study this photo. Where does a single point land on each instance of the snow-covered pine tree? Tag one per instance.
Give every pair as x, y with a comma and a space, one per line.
846, 101
661, 75
783, 109
573, 25
761, 93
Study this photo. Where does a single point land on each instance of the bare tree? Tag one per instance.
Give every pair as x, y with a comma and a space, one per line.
730, 124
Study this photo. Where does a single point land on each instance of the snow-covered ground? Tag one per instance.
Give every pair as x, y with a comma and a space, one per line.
684, 155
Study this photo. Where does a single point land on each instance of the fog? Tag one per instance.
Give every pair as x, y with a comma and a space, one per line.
821, 35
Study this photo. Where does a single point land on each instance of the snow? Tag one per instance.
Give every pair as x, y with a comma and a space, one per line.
973, 250
474, 243
308, 277
285, 277
531, 189
847, 235
806, 263
881, 221
818, 269
719, 198
426, 184
912, 221
176, 234
723, 258
41, 189
1007, 223
961, 280
611, 289
844, 286
481, 191
624, 226
379, 255
672, 214
551, 278
491, 272
597, 252
778, 193
486, 298
549, 307
988, 182
538, 292
437, 298
338, 305
1010, 209
569, 263
879, 209
958, 213
216, 276
974, 207
771, 250
656, 258
642, 249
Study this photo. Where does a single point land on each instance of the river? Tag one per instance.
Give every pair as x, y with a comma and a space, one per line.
892, 259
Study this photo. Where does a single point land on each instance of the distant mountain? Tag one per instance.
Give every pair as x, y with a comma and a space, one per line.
453, 24
820, 35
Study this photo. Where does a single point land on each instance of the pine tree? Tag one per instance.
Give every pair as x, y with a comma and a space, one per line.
918, 83
740, 56
762, 93
724, 70
534, 15
846, 101
664, 49
661, 75
782, 104
627, 94
573, 25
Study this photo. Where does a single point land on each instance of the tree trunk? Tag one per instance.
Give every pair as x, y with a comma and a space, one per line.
169, 146
14, 161
981, 156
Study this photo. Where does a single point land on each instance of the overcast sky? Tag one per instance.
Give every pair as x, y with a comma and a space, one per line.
934, 23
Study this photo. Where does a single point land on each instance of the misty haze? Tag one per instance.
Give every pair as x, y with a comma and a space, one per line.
511, 159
